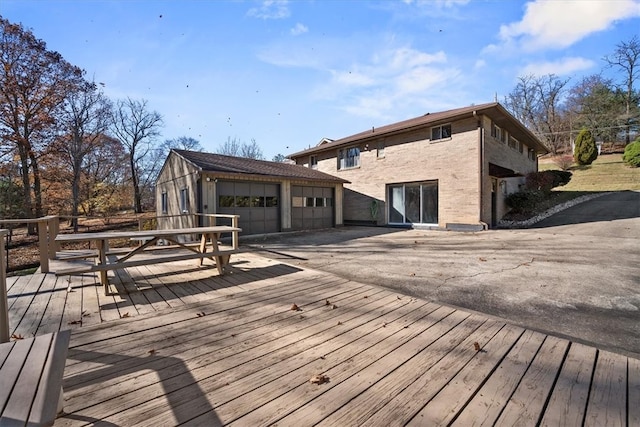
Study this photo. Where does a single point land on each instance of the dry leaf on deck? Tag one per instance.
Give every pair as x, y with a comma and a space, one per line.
476, 346
333, 307
75, 322
17, 336
319, 379
482, 259
125, 315
294, 307
152, 351
327, 302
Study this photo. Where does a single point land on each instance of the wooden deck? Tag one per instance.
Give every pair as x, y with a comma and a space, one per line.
181, 345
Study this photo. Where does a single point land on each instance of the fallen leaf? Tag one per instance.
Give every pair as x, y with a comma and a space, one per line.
75, 322
17, 337
322, 357
333, 307
476, 346
319, 379
327, 302
366, 296
125, 315
339, 323
86, 314
398, 297
294, 307
201, 314
482, 259
152, 351
412, 274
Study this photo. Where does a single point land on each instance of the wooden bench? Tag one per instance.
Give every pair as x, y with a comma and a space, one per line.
31, 379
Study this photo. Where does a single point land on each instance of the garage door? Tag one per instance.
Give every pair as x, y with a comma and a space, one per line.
311, 207
257, 203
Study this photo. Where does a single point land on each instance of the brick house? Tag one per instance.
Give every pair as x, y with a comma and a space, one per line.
269, 196
451, 169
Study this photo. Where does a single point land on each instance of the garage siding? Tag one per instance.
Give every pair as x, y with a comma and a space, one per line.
312, 207
257, 203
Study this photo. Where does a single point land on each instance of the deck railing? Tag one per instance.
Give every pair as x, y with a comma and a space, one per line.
4, 303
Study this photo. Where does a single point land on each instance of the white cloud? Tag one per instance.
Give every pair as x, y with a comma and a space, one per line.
393, 80
271, 9
561, 23
299, 29
561, 67
480, 63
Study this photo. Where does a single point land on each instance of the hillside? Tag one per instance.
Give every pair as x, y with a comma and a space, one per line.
607, 173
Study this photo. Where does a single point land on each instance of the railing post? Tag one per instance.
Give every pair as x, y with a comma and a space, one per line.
43, 244
54, 228
4, 303
234, 238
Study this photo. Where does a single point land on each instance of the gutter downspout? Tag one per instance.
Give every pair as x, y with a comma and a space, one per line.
481, 168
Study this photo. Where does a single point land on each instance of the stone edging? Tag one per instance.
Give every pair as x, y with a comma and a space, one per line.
557, 208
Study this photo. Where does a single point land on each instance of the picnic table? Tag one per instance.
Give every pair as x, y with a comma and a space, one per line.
112, 260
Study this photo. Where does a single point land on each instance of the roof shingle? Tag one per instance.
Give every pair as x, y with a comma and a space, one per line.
218, 163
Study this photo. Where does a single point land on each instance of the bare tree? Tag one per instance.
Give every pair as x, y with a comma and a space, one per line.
181, 143
33, 83
626, 58
537, 102
137, 128
251, 150
231, 147
86, 117
234, 147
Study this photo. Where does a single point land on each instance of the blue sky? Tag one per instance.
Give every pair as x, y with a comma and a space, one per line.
289, 73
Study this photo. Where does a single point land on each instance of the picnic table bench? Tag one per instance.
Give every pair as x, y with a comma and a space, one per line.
122, 258
31, 372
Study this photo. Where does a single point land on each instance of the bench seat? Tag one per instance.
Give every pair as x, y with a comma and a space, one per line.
31, 372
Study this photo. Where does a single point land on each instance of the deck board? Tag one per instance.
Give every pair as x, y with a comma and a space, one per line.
179, 344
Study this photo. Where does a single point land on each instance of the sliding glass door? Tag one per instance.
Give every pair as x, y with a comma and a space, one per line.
413, 203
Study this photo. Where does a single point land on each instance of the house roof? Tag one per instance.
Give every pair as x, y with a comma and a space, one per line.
494, 110
229, 165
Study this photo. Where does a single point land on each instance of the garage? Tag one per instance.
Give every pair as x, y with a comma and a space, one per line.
311, 207
257, 203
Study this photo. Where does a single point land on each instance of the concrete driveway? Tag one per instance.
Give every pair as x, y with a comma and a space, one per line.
577, 274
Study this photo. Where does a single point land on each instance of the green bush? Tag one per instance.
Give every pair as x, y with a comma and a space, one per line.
546, 180
631, 154
586, 150
524, 201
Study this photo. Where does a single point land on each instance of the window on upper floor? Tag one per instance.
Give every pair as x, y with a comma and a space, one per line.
520, 147
513, 143
380, 150
349, 158
498, 133
441, 132
532, 154
313, 162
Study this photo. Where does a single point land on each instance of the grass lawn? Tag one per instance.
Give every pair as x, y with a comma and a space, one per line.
607, 173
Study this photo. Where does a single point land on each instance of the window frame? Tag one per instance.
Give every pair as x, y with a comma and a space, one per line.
343, 161
440, 128
164, 203
313, 161
184, 200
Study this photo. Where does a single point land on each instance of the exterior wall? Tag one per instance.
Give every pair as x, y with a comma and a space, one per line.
499, 153
412, 157
176, 174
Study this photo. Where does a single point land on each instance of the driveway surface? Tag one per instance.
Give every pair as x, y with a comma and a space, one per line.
575, 275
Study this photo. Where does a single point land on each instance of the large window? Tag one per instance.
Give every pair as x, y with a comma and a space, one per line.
414, 203
441, 132
349, 158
